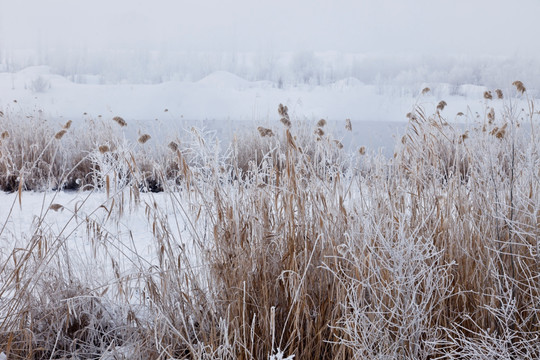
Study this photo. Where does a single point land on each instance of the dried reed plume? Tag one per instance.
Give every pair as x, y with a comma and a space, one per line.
68, 124
499, 132
499, 93
166, 110
442, 104
321, 123
425, 90
265, 132
362, 150
284, 112
173, 146
519, 86
143, 138
286, 121
319, 132
338, 144
411, 116
56, 207
429, 254
60, 134
1, 114
491, 115
120, 121
460, 114
4, 135
488, 95
348, 124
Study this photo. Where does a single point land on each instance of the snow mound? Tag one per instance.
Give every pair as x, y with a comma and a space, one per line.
35, 71
348, 82
224, 79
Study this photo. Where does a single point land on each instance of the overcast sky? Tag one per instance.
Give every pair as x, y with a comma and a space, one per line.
494, 27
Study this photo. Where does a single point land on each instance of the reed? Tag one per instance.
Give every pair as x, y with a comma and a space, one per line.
287, 245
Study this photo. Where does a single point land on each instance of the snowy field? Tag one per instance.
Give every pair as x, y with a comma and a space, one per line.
228, 104
348, 194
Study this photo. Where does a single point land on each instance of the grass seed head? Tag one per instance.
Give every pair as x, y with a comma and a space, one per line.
499, 133
120, 121
103, 149
60, 134
284, 113
442, 104
425, 90
68, 124
499, 93
348, 124
285, 121
488, 95
502, 131
265, 132
491, 115
283, 110
362, 150
4, 135
143, 138
56, 207
319, 132
173, 146
321, 123
412, 116
519, 86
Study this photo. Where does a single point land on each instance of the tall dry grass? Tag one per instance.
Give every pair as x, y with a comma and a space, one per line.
287, 245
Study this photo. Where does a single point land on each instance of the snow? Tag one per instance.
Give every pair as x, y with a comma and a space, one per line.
280, 356
222, 96
124, 225
224, 79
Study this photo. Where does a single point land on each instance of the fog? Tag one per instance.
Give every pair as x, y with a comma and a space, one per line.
387, 26
154, 41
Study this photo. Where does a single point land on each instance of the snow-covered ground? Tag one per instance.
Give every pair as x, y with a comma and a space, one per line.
223, 96
228, 104
90, 224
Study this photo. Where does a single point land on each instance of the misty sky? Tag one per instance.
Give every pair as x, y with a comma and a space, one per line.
493, 27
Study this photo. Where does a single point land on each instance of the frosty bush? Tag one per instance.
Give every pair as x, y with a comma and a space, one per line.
39, 85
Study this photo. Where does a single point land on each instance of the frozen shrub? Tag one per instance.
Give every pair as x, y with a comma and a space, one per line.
39, 85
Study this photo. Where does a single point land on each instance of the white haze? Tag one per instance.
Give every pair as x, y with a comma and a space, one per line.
389, 26
389, 49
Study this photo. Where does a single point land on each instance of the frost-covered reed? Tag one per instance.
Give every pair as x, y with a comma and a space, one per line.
294, 246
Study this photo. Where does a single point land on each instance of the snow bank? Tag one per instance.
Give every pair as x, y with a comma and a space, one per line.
224, 96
